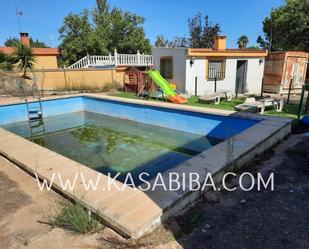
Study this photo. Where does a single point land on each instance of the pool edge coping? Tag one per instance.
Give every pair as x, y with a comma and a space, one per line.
162, 104
271, 126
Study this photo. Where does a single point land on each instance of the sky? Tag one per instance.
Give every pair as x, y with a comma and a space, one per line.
43, 18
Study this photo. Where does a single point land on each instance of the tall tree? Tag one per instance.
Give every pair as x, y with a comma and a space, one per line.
101, 13
161, 41
196, 31
287, 27
127, 33
101, 31
102, 7
38, 44
179, 42
77, 37
243, 41
202, 35
210, 31
11, 42
23, 58
263, 42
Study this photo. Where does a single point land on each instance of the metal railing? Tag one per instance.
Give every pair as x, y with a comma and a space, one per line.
114, 60
214, 73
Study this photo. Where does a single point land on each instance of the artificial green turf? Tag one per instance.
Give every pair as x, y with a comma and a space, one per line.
289, 110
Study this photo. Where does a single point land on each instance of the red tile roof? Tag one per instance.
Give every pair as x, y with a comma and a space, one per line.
35, 51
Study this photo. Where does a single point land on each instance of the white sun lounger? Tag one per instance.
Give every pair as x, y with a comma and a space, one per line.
216, 96
251, 105
226, 94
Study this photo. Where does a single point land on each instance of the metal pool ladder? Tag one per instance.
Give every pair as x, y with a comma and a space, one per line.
35, 115
34, 109
37, 130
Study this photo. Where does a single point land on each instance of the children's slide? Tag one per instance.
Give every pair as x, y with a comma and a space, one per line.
166, 88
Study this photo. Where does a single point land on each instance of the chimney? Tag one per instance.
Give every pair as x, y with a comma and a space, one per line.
220, 42
24, 38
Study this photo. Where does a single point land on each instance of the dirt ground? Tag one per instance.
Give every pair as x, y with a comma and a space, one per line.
268, 219
238, 219
25, 212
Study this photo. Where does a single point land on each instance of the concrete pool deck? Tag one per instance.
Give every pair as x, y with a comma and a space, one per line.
134, 212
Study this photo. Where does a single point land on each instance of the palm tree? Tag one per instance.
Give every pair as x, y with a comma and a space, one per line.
23, 58
243, 41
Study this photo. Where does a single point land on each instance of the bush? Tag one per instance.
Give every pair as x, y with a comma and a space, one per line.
75, 218
83, 87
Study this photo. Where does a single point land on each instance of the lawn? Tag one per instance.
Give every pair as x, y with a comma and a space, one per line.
289, 110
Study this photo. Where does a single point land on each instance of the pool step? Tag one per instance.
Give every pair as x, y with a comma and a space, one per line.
32, 119
36, 124
35, 115
34, 109
37, 133
35, 112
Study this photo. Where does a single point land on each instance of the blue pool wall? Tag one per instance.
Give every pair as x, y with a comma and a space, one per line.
217, 126
54, 124
18, 112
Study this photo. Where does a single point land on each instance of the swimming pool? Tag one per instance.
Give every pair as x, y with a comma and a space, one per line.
112, 145
122, 135
114, 138
218, 126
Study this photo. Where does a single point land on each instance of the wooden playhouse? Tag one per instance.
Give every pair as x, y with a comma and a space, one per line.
283, 70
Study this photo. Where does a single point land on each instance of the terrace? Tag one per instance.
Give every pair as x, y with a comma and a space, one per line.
96, 61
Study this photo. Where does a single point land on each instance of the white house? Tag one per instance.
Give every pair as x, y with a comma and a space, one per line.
195, 70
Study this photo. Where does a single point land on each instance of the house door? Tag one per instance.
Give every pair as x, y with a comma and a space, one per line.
241, 76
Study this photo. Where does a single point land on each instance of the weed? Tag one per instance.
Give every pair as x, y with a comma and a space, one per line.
89, 87
76, 219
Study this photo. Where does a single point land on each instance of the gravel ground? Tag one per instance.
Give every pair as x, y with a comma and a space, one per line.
267, 219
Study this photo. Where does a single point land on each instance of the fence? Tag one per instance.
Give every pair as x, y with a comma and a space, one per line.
70, 79
115, 60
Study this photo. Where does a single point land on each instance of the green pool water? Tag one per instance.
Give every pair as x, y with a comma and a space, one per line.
114, 145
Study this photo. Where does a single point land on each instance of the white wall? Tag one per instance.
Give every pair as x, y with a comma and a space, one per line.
179, 64
255, 72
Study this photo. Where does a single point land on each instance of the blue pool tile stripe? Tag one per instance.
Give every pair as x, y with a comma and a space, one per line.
194, 122
18, 112
211, 125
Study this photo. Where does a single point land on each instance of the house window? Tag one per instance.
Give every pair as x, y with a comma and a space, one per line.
166, 67
216, 68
